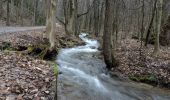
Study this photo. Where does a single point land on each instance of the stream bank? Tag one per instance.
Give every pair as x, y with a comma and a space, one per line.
25, 73
83, 76
145, 68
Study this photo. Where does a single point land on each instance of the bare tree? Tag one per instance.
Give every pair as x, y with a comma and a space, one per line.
1, 8
70, 12
96, 17
8, 13
150, 23
107, 36
35, 12
51, 22
159, 7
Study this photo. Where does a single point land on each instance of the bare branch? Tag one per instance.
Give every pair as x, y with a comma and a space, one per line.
88, 10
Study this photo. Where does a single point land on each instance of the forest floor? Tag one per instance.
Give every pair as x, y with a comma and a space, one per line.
24, 75
145, 67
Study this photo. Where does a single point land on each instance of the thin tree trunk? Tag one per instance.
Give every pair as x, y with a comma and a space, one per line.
142, 25
1, 9
101, 25
96, 17
150, 24
8, 14
35, 12
22, 12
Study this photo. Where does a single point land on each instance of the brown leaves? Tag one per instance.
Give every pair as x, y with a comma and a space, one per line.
22, 77
25, 77
132, 64
20, 97
10, 97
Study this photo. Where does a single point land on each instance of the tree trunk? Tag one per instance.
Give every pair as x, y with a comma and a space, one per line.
35, 12
70, 10
150, 24
159, 7
8, 14
142, 24
48, 25
96, 17
107, 36
165, 34
22, 12
17, 7
1, 9
51, 23
101, 27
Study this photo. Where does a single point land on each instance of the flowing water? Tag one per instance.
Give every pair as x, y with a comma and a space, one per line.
84, 77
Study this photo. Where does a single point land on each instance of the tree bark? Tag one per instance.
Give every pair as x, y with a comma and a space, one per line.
142, 24
35, 12
102, 12
51, 23
8, 14
96, 17
150, 24
22, 12
70, 10
159, 7
1, 9
107, 37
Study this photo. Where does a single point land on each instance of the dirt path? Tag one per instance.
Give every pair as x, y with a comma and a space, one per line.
19, 29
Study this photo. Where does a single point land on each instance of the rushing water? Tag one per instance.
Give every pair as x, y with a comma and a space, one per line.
83, 77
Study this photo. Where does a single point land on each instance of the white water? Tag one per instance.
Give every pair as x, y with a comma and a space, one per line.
84, 77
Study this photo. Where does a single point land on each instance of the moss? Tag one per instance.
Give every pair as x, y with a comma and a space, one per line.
54, 68
70, 43
133, 78
150, 78
42, 52
5, 46
30, 49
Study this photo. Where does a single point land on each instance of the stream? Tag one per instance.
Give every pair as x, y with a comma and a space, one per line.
83, 76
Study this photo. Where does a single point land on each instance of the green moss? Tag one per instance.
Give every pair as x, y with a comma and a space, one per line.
54, 68
70, 43
134, 78
30, 49
42, 54
151, 79
6, 46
